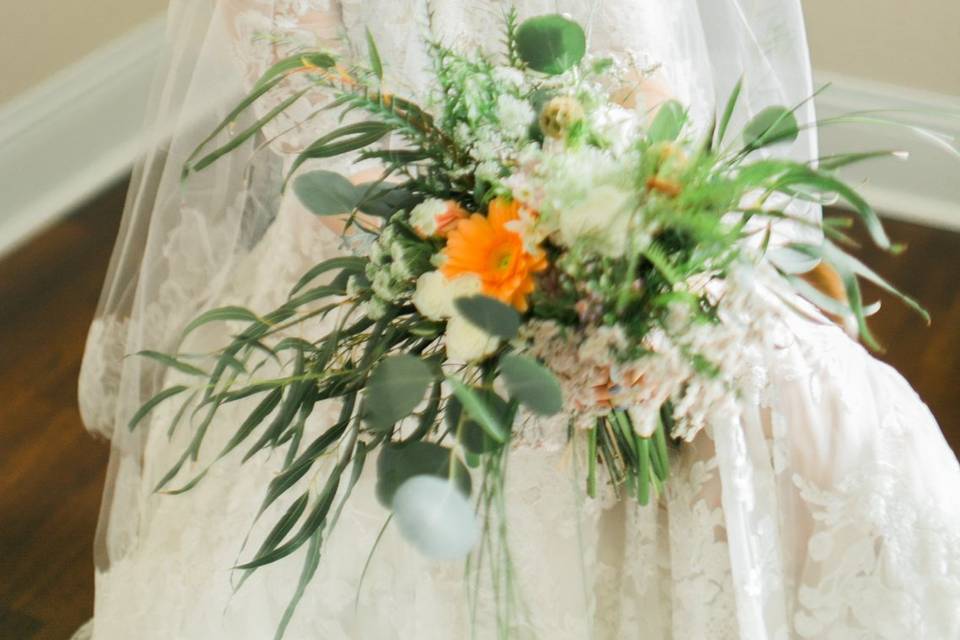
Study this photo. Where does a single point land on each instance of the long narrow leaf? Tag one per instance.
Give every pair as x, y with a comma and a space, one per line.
150, 404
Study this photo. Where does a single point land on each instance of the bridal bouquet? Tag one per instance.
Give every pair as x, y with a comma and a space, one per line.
534, 252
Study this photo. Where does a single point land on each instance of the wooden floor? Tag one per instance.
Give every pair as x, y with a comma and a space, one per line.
51, 471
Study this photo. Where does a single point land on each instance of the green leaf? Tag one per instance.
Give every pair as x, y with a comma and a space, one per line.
326, 193
150, 404
806, 177
398, 464
310, 564
220, 314
385, 201
469, 433
173, 363
481, 411
352, 264
238, 139
258, 415
668, 123
771, 126
551, 44
376, 64
295, 63
728, 111
492, 316
839, 160
395, 388
532, 384
343, 140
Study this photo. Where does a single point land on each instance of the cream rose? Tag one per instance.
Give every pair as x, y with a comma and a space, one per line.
466, 342
602, 219
434, 298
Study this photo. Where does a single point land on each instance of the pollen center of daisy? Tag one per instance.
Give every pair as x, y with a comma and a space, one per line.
502, 258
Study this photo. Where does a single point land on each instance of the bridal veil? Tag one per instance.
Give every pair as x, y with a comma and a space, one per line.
179, 239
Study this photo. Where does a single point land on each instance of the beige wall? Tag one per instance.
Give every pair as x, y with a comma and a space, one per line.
914, 43
40, 37
910, 42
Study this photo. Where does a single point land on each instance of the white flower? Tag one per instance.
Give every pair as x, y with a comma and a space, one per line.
617, 125
435, 297
644, 419
515, 116
602, 219
466, 342
423, 217
508, 76
435, 293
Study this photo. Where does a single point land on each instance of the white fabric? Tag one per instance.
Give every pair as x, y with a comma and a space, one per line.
821, 506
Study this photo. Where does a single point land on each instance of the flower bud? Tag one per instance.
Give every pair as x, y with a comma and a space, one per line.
559, 114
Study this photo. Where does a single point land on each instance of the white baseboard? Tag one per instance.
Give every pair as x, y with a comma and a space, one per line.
75, 133
925, 188
78, 131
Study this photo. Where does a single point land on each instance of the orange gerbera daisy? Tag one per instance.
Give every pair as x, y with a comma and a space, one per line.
485, 247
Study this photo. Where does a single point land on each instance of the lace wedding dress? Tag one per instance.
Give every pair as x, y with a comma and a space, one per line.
821, 504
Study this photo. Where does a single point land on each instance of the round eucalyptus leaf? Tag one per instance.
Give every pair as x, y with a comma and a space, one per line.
492, 316
668, 123
532, 384
551, 44
394, 389
468, 431
436, 518
326, 193
771, 126
384, 200
399, 463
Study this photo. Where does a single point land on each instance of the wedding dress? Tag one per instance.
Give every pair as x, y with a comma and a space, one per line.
822, 505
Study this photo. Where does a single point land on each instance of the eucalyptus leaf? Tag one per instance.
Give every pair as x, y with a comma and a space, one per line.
436, 518
150, 404
489, 314
221, 314
385, 201
349, 264
532, 384
551, 44
395, 388
468, 431
296, 62
668, 123
480, 410
770, 126
326, 193
399, 463
173, 363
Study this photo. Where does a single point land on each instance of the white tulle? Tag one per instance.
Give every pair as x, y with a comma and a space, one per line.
821, 504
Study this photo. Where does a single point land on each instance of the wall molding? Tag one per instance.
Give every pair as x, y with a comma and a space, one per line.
75, 133
66, 139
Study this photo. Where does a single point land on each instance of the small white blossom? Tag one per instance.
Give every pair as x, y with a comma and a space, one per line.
509, 77
515, 116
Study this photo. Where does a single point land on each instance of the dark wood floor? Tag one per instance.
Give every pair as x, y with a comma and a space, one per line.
51, 471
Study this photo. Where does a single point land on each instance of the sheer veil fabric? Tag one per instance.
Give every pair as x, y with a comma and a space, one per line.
822, 506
